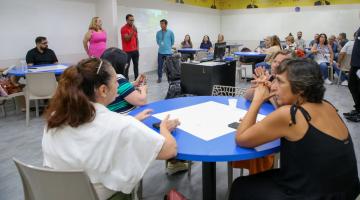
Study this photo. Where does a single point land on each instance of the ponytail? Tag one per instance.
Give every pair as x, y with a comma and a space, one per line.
72, 102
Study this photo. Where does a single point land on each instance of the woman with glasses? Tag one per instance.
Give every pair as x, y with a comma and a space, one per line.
81, 133
95, 39
130, 95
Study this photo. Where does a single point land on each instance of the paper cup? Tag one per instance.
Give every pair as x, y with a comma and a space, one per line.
232, 103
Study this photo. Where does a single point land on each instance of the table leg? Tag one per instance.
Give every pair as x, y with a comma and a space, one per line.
209, 180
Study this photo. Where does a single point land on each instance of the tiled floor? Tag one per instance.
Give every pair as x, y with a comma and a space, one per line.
24, 143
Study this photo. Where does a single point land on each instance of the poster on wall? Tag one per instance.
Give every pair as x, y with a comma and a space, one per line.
251, 4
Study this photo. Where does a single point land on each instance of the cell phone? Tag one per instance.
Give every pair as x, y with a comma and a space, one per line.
156, 125
234, 125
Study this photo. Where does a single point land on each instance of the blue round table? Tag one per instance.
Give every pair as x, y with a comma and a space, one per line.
221, 149
21, 72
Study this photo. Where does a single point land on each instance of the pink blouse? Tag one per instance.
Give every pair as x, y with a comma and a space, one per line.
97, 43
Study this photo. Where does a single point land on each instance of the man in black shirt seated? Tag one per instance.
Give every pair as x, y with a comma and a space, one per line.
41, 54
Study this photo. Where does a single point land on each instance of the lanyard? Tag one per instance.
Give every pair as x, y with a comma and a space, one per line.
162, 35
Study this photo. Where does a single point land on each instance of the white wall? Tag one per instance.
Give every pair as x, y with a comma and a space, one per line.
250, 26
63, 22
182, 20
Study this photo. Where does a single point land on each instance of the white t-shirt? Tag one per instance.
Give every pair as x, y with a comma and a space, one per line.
348, 47
114, 150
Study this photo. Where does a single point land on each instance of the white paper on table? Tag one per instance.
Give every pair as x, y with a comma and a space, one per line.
47, 68
207, 120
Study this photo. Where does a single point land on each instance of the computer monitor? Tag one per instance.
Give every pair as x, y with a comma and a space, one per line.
219, 51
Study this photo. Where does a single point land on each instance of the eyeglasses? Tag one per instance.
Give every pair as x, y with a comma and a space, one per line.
131, 20
44, 43
100, 65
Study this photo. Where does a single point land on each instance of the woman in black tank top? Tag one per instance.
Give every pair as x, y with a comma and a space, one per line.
317, 154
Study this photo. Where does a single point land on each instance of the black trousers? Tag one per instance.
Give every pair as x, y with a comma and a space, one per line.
354, 86
134, 56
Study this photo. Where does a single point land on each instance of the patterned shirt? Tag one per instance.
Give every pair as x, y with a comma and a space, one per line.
120, 105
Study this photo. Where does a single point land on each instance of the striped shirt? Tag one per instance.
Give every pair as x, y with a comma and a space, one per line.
120, 105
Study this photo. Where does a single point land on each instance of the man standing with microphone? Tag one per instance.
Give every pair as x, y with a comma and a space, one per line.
130, 44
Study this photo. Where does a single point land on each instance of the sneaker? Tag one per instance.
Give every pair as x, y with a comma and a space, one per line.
351, 113
177, 166
344, 83
327, 81
159, 80
354, 118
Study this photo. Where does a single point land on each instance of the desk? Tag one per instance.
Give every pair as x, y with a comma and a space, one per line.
252, 57
199, 78
221, 149
187, 53
57, 69
190, 50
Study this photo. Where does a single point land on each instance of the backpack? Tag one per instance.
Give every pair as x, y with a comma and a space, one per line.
172, 67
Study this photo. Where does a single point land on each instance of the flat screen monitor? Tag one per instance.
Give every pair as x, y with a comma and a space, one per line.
219, 51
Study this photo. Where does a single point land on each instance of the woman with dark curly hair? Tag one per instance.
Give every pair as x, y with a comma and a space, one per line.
315, 142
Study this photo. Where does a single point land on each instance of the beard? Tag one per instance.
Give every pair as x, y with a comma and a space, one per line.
44, 48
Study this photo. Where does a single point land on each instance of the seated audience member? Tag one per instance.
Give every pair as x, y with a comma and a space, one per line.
345, 51
290, 43
334, 46
315, 142
130, 95
275, 46
221, 38
260, 73
342, 39
41, 54
265, 163
186, 44
81, 133
324, 56
312, 42
206, 43
300, 43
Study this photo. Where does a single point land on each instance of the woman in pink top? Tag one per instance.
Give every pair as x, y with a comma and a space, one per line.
95, 39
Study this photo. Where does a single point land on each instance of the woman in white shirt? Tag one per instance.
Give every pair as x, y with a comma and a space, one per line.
81, 133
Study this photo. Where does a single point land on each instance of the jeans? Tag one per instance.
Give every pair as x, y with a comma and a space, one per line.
161, 58
134, 55
325, 74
